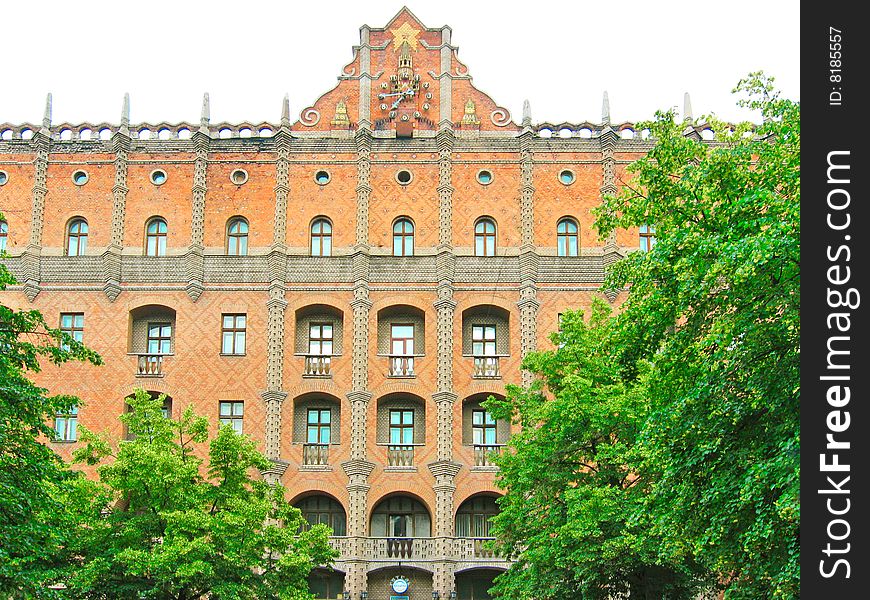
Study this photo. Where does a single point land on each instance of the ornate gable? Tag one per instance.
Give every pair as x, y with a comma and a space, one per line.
406, 80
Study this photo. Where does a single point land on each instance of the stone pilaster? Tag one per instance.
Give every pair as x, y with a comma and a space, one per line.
363, 140
31, 256
607, 140
274, 395
445, 140
445, 475
527, 191
195, 264
112, 256
282, 178
528, 305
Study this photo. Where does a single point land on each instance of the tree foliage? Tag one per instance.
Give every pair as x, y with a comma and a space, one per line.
160, 523
709, 336
30, 471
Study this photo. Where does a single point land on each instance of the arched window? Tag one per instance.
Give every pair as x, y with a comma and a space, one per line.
76, 237
237, 237
4, 233
403, 237
155, 237
473, 517
484, 237
323, 509
321, 238
566, 238
400, 517
647, 237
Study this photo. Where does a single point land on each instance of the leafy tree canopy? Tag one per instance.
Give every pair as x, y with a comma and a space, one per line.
161, 523
29, 470
709, 338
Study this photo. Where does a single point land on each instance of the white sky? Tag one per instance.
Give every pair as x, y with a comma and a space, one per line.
560, 55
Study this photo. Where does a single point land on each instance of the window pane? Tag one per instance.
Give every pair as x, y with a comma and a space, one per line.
225, 409
477, 417
477, 435
407, 435
327, 246
490, 436
490, 246
66, 321
227, 346
327, 332
324, 435
312, 416
395, 435
238, 408
240, 342
477, 333
314, 347
572, 246
315, 247
395, 417
312, 434
325, 416
403, 331
409, 246
478, 246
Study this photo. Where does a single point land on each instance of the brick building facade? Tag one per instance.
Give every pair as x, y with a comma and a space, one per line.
345, 288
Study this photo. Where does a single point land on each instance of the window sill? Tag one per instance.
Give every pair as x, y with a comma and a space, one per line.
487, 469
315, 468
400, 469
63, 441
228, 354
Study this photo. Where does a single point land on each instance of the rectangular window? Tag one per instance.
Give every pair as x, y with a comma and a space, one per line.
232, 413
647, 237
65, 424
72, 324
233, 332
320, 339
319, 426
483, 428
402, 340
400, 526
483, 340
159, 338
401, 427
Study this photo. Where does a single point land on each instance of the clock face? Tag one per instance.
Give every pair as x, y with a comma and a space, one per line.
400, 585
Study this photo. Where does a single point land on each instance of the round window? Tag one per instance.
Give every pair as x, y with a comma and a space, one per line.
322, 177
80, 177
566, 177
158, 176
239, 176
4, 177
404, 177
484, 177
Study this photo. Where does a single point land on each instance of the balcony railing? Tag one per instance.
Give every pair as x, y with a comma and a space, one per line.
149, 365
401, 366
417, 549
318, 365
400, 456
486, 367
484, 453
315, 454
400, 547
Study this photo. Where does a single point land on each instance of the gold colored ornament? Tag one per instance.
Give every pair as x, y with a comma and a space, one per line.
470, 116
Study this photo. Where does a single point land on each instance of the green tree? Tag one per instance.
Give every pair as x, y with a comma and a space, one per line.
661, 446
159, 523
715, 305
573, 511
30, 471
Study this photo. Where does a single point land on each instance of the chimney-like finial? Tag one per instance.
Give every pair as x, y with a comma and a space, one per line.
605, 109
527, 114
46, 117
206, 111
687, 108
285, 111
125, 111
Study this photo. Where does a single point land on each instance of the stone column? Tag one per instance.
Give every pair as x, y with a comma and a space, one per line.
276, 305
194, 262
31, 255
528, 303
358, 468
112, 256
607, 139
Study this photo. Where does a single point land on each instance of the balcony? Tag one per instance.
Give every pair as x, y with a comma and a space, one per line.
315, 454
318, 365
401, 366
400, 456
486, 367
484, 453
149, 365
420, 549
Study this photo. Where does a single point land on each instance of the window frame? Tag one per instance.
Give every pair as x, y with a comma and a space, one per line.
485, 237
158, 237
321, 339
319, 425
564, 238
160, 338
487, 343
232, 418
403, 236
484, 428
239, 239
646, 237
234, 331
76, 331
4, 234
402, 427
69, 419
324, 238
80, 237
